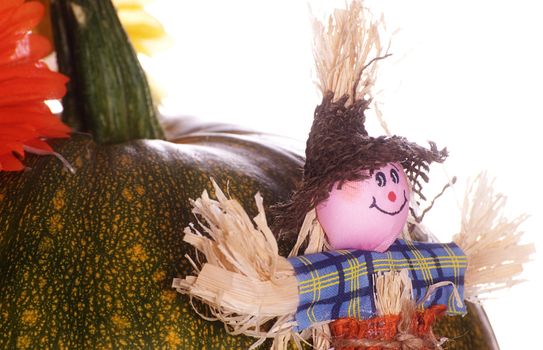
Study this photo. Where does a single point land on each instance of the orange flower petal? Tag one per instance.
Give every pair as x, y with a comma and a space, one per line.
30, 82
39, 145
38, 46
40, 118
9, 163
10, 147
16, 147
26, 17
35, 70
26, 48
8, 4
59, 131
20, 19
17, 133
35, 121
25, 85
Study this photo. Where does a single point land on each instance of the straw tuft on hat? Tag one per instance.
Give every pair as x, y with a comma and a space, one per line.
347, 51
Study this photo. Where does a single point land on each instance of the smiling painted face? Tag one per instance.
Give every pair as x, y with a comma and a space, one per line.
369, 214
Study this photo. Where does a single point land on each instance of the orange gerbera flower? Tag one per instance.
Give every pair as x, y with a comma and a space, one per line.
25, 85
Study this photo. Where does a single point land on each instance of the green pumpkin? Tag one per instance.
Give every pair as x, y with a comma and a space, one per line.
87, 259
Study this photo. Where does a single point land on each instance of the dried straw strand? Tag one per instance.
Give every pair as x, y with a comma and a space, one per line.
312, 233
391, 291
491, 241
345, 50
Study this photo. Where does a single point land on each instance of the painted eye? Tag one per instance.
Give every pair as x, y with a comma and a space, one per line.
394, 176
381, 179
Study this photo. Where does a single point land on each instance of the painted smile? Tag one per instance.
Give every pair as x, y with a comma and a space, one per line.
392, 213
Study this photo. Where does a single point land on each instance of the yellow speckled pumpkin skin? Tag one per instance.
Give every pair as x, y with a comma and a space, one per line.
87, 260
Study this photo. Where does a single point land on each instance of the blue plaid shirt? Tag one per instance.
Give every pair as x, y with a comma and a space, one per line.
338, 284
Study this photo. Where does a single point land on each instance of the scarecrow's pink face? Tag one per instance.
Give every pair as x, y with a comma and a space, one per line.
369, 214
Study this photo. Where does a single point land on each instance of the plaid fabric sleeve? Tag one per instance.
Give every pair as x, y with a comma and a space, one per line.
338, 284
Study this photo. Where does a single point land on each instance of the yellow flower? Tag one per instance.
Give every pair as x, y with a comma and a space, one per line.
146, 32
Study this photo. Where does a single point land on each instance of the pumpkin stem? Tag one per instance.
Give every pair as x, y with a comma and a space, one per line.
108, 94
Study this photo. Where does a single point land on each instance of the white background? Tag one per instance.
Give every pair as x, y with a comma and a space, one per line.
466, 74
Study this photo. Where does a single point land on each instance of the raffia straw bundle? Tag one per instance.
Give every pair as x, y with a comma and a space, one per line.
491, 241
344, 49
244, 280
392, 290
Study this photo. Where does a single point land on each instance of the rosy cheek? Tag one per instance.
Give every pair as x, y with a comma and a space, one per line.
350, 192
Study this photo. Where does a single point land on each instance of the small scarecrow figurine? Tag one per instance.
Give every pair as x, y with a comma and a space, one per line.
356, 284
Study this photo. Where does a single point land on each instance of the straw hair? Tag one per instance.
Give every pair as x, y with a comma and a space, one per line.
345, 49
491, 241
312, 234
